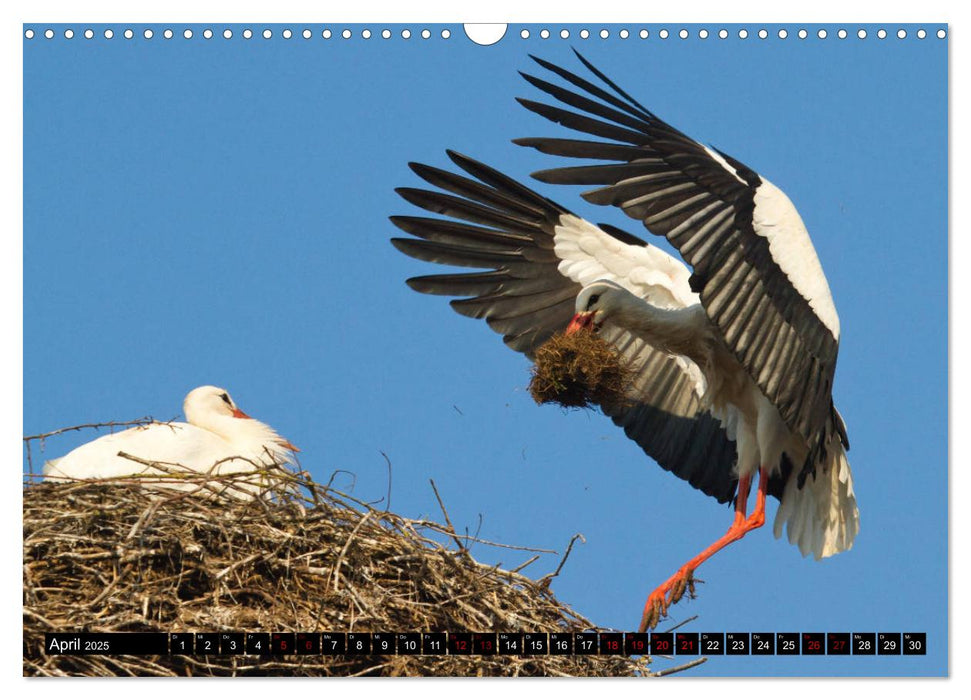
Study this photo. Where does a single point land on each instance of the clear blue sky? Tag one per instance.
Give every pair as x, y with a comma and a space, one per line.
215, 212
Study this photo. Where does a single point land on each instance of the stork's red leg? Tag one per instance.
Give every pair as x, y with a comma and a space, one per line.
671, 590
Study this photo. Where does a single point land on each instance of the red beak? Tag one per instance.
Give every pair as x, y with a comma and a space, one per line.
581, 321
239, 414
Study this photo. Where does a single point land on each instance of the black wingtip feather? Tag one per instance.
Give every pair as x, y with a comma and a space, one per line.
421, 170
501, 181
413, 282
616, 88
415, 167
552, 67
401, 243
545, 176
623, 236
474, 167
404, 223
412, 195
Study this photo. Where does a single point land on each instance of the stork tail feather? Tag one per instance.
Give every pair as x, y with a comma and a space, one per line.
822, 516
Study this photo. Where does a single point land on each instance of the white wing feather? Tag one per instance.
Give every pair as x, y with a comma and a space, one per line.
588, 254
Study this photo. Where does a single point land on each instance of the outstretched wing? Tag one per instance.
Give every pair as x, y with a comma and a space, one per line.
533, 258
753, 264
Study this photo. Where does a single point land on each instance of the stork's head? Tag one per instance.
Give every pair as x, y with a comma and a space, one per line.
595, 304
207, 401
213, 409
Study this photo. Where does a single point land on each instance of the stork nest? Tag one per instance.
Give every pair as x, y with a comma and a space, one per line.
114, 557
579, 370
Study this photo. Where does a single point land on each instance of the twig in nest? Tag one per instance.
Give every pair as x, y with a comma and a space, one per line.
448, 521
682, 623
347, 543
525, 564
682, 667
569, 548
148, 420
386, 459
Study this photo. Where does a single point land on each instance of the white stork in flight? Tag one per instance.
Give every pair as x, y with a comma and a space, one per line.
218, 439
733, 360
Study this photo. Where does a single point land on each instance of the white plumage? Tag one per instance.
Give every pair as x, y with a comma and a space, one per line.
775, 218
218, 440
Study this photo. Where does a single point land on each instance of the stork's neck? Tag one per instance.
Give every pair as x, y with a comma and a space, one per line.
684, 331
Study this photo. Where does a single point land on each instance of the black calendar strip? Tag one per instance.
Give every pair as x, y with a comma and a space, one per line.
487, 643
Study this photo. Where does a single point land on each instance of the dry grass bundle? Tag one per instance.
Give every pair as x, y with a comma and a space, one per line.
115, 557
579, 370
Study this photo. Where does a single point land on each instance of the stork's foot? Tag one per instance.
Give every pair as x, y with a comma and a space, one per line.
671, 591
666, 595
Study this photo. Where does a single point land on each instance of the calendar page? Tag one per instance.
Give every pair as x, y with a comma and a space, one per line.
291, 292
